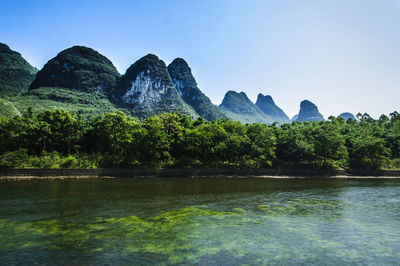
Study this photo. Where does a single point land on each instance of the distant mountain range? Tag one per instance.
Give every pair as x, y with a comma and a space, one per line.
79, 79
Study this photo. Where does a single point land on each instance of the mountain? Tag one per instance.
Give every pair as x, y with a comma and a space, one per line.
268, 106
77, 80
16, 74
146, 89
237, 106
294, 118
186, 85
346, 116
78, 68
309, 112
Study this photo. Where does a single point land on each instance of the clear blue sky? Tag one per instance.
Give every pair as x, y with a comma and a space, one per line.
343, 55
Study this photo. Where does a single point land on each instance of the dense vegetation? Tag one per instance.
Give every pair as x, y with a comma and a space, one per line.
88, 105
56, 138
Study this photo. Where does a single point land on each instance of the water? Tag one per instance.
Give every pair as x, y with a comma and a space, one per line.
200, 221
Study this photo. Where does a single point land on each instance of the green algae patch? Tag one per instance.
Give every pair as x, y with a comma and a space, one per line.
328, 209
170, 233
198, 233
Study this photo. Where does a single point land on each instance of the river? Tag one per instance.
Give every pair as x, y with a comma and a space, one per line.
202, 221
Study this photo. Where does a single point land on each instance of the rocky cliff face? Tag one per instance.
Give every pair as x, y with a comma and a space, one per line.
268, 106
78, 68
147, 89
237, 106
186, 85
16, 74
309, 112
346, 116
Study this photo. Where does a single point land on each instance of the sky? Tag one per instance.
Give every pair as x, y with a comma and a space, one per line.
343, 55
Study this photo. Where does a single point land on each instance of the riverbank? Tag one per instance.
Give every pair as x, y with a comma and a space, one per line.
29, 174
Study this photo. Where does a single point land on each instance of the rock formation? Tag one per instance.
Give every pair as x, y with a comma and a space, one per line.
268, 106
186, 85
147, 89
309, 112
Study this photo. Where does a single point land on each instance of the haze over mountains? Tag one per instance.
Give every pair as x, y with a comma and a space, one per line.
79, 79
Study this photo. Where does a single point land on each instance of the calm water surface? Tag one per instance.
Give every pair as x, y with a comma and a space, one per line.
200, 221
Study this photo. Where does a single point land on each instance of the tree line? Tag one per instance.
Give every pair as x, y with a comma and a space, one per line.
56, 138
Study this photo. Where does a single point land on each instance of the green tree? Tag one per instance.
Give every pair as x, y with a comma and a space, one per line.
262, 144
329, 143
116, 134
294, 144
58, 130
161, 142
369, 152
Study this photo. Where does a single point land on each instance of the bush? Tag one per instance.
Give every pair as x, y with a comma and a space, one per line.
14, 159
394, 164
69, 162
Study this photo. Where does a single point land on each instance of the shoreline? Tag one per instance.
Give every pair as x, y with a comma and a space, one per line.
113, 173
56, 178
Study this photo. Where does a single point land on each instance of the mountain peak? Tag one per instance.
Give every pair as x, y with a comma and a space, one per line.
265, 98
78, 68
237, 106
147, 89
149, 63
186, 85
179, 61
151, 57
230, 93
4, 48
309, 112
180, 70
79, 49
347, 116
307, 104
234, 100
268, 106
